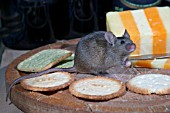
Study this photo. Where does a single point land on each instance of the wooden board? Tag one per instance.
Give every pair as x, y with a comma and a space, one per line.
63, 102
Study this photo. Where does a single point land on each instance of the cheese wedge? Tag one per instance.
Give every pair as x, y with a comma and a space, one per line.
149, 29
157, 63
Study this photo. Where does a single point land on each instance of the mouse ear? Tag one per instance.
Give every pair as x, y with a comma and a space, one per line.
110, 37
126, 34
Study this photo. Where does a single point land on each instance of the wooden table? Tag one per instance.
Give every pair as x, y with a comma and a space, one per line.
62, 101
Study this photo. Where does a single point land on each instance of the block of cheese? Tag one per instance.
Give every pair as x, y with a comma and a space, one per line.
156, 63
149, 29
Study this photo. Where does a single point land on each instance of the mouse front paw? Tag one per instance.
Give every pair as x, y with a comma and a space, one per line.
127, 63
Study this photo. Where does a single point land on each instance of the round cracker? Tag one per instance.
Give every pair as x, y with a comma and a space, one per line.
97, 88
48, 82
150, 84
43, 60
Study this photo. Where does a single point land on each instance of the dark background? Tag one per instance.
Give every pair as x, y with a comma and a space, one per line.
27, 24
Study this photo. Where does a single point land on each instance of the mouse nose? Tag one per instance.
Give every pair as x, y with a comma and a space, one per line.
130, 47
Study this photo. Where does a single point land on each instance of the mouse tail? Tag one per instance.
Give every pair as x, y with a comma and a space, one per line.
15, 82
72, 69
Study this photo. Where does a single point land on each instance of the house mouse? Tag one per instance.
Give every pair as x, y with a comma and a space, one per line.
95, 53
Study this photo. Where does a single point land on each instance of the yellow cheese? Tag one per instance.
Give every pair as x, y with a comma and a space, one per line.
157, 63
149, 29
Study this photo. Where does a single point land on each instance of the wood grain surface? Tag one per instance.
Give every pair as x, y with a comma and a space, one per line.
63, 102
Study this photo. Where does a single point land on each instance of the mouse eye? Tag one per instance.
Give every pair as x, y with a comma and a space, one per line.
122, 42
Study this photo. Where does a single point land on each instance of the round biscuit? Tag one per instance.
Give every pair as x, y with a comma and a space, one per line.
48, 82
150, 84
97, 88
